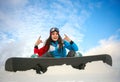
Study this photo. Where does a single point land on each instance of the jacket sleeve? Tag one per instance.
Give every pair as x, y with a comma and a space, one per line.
70, 45
40, 51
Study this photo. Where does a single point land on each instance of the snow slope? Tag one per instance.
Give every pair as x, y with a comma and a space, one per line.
94, 72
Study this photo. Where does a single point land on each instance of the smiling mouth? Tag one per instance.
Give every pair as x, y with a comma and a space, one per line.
54, 38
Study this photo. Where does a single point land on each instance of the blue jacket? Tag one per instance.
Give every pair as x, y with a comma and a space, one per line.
62, 53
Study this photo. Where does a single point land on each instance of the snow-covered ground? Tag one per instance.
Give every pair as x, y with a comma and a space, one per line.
94, 72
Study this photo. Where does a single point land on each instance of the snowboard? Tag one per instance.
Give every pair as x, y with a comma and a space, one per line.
42, 63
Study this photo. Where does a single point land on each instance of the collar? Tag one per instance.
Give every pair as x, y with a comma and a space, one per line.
54, 43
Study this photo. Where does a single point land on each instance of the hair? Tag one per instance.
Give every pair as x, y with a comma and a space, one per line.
60, 42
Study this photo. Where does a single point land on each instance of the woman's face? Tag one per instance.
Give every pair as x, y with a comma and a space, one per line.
54, 36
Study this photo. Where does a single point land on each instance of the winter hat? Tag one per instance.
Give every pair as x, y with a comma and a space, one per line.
54, 29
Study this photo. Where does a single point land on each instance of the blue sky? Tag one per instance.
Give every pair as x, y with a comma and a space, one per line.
103, 22
86, 22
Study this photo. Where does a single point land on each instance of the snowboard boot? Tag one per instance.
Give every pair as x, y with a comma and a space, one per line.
80, 67
71, 53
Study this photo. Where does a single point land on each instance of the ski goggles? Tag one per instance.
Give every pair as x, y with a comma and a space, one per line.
54, 29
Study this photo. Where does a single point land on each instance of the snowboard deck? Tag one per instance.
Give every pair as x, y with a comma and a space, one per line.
42, 63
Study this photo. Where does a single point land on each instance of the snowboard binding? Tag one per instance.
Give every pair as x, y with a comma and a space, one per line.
39, 69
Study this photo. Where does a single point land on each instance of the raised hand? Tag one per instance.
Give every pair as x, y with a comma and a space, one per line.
67, 38
38, 41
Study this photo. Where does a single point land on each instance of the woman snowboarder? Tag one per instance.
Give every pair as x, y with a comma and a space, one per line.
55, 46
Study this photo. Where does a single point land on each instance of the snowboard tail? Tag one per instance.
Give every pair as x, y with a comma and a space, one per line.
42, 63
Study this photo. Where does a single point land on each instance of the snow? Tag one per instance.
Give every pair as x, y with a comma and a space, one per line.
94, 72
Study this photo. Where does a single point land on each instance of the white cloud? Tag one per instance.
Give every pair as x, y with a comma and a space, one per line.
109, 46
25, 23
